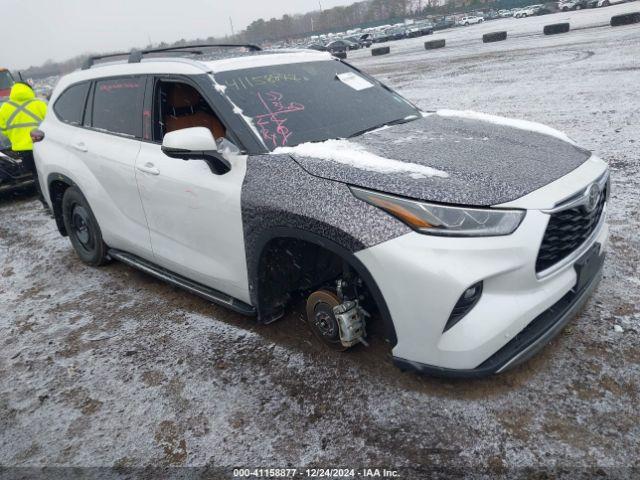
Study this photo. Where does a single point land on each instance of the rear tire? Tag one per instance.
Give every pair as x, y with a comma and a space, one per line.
83, 229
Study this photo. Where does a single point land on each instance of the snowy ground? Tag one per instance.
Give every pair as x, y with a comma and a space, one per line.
109, 367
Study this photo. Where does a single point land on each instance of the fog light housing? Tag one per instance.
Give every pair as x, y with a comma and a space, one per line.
467, 301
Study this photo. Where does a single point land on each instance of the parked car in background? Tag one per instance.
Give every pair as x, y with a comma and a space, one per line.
420, 29
567, 5
6, 82
444, 23
491, 15
505, 13
397, 33
546, 8
426, 28
363, 41
380, 37
606, 3
340, 46
524, 12
317, 46
472, 20
413, 31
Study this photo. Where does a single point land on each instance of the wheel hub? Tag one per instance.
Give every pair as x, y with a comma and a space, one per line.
325, 323
79, 221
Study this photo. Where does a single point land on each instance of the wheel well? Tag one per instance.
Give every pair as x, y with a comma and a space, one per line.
295, 266
56, 192
291, 265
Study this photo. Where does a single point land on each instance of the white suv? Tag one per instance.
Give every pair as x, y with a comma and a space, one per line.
257, 178
470, 20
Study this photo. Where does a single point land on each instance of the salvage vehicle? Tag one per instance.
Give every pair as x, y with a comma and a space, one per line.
258, 179
341, 46
525, 12
607, 3
466, 21
444, 23
567, 5
364, 40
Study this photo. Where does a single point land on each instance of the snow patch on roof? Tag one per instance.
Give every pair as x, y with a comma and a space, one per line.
355, 155
507, 122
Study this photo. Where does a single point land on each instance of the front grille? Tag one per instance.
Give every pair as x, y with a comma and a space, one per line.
567, 231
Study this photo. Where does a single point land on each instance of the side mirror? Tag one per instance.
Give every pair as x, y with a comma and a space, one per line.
196, 143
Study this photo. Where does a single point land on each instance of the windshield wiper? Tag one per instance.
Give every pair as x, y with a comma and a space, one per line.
399, 121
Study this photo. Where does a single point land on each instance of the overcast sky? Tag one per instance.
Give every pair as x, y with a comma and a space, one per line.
36, 30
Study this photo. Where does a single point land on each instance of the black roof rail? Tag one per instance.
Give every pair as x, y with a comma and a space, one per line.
249, 46
88, 63
135, 56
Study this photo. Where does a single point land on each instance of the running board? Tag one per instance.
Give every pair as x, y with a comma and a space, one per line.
207, 293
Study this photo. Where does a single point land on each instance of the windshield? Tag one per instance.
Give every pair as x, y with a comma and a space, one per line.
312, 102
6, 82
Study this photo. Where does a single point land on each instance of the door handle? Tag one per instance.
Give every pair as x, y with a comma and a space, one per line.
81, 147
148, 168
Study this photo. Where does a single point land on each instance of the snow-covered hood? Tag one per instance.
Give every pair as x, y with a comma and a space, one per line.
451, 157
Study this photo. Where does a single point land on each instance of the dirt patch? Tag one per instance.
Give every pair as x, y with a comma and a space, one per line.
169, 437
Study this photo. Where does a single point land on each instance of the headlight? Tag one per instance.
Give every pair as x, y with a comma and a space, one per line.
433, 219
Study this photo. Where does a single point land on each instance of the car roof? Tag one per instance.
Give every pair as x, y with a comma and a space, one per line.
184, 65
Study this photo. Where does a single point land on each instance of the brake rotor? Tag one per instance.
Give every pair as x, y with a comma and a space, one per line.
321, 319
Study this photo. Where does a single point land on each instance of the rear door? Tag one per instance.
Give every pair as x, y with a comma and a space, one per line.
194, 215
109, 144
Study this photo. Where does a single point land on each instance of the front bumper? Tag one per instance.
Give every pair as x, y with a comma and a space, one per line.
527, 343
421, 278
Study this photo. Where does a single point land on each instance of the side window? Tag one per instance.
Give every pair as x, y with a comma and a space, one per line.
179, 105
70, 105
117, 105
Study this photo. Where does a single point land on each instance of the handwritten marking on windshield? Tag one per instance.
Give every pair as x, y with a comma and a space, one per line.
245, 82
272, 124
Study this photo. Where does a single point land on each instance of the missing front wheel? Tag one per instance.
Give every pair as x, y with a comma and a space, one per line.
339, 324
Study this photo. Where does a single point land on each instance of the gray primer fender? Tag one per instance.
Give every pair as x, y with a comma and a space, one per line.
278, 196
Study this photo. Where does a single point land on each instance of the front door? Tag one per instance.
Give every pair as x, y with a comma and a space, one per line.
194, 215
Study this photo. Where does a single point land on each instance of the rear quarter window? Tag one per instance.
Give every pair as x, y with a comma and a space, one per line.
70, 105
117, 106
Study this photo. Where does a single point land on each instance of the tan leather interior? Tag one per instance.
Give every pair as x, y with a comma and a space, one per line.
184, 110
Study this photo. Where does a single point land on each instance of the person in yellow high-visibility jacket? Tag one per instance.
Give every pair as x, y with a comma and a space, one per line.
21, 114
